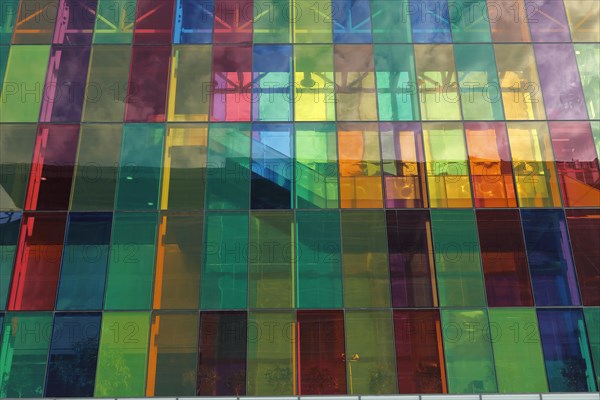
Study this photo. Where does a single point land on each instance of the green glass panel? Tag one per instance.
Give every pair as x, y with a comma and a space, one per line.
16, 153
271, 260
8, 15
24, 83
4, 50
478, 80
364, 259
370, 358
140, 167
23, 354
316, 166
592, 322
457, 258
312, 21
122, 355
107, 84
596, 135
228, 168
391, 21
114, 21
588, 60
468, 351
518, 353
225, 270
96, 168
9, 235
271, 369
470, 21
319, 260
314, 87
189, 87
272, 21
396, 83
131, 262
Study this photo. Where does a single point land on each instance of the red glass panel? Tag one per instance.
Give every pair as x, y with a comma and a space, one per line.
584, 226
148, 80
52, 167
153, 22
321, 358
232, 80
504, 260
419, 354
233, 21
37, 262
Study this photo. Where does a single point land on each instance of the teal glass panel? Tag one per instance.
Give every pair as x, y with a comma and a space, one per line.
114, 21
131, 262
515, 337
588, 60
10, 222
228, 167
457, 258
8, 15
391, 21
23, 354
470, 21
225, 269
592, 322
140, 167
319, 267
480, 92
468, 351
316, 166
396, 83
16, 155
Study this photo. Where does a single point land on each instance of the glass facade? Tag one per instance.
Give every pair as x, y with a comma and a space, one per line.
299, 197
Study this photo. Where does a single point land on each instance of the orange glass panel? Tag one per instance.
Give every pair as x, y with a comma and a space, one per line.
508, 20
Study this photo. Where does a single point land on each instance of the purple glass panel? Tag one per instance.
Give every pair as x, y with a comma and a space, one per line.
65, 84
410, 253
547, 21
75, 22
559, 77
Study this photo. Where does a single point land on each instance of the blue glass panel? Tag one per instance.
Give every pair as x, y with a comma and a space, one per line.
550, 262
566, 351
9, 236
73, 355
272, 166
430, 21
194, 21
272, 83
351, 21
84, 263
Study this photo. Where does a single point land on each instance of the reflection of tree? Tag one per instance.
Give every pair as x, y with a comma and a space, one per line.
207, 381
237, 383
120, 375
428, 378
18, 383
319, 381
69, 372
279, 379
381, 380
574, 374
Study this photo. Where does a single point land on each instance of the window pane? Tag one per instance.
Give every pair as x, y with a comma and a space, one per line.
592, 320
470, 21
75, 22
122, 354
231, 82
228, 169
508, 20
139, 167
319, 260
396, 83
351, 21
271, 359
271, 259
356, 98
35, 22
411, 259
584, 226
233, 21
7, 20
457, 258
95, 181
517, 350
419, 354
588, 59
391, 21
321, 365
189, 88
550, 263
364, 259
447, 167
547, 21
225, 270
370, 352
114, 21
194, 21
316, 173
73, 354
153, 22
222, 354
16, 152
438, 87
131, 264
430, 21
84, 262
314, 86
312, 21
468, 350
490, 164
24, 83
173, 352
37, 262
184, 168
584, 20
24, 353
273, 21
10, 222
533, 164
178, 261
504, 260
272, 89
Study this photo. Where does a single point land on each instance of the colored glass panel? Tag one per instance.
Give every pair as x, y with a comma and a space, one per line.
35, 22
231, 91
547, 21
470, 21
153, 22
272, 88
588, 60
592, 320
391, 22
16, 150
10, 11
584, 226
10, 222
273, 21
584, 20
508, 20
351, 21
75, 22
114, 21
430, 21
312, 21
364, 259
233, 21
314, 86
356, 96
193, 21
189, 86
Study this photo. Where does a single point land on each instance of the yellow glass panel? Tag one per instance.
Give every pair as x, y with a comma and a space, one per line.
584, 20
